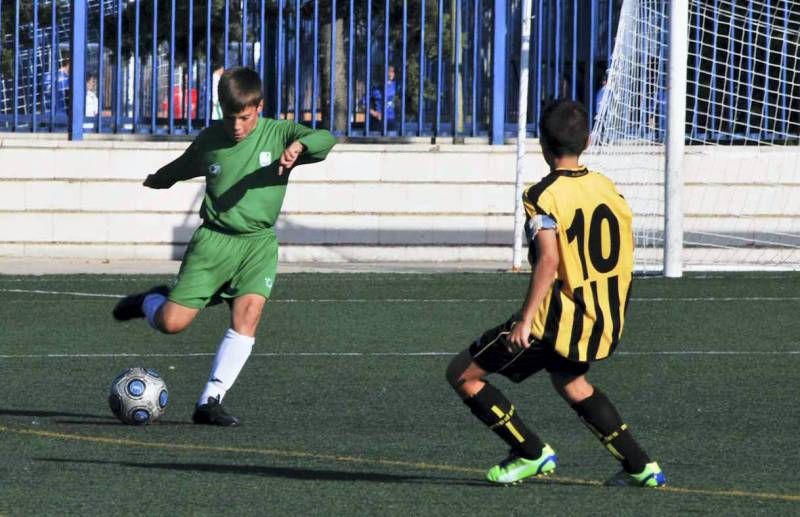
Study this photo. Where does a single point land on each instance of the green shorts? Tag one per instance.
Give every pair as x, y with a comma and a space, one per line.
226, 265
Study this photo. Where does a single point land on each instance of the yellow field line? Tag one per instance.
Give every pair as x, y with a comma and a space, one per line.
370, 461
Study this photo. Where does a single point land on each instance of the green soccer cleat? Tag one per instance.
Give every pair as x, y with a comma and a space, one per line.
515, 468
650, 477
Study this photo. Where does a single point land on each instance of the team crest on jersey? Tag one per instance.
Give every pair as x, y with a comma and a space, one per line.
214, 169
265, 158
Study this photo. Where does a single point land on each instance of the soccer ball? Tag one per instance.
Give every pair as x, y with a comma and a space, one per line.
138, 396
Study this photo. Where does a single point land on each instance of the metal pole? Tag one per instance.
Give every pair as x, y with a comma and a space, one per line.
499, 74
524, 58
676, 106
77, 69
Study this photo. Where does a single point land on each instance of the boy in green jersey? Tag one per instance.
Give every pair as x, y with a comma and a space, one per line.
233, 255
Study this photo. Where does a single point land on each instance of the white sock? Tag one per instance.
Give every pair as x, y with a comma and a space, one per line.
233, 351
150, 305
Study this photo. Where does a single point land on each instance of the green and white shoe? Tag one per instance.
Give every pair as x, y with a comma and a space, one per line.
515, 468
650, 477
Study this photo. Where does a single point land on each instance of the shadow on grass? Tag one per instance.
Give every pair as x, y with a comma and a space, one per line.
84, 418
302, 474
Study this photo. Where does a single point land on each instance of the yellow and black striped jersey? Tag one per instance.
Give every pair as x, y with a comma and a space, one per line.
583, 315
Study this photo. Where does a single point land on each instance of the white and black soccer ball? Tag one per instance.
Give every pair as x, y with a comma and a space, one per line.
138, 396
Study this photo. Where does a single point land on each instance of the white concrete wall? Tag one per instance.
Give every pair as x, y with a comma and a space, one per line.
366, 202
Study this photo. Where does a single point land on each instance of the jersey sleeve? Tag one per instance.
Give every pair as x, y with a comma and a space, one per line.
187, 166
318, 142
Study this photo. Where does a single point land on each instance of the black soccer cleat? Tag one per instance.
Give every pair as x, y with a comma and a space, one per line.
130, 307
212, 413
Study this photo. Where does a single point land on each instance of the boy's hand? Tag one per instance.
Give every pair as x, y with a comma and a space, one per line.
519, 335
289, 156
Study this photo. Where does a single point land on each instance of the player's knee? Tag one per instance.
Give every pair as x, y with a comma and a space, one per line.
453, 373
169, 324
247, 314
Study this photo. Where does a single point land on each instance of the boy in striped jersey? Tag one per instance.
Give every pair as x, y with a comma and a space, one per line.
581, 253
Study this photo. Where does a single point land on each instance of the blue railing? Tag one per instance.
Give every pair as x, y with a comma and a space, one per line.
448, 68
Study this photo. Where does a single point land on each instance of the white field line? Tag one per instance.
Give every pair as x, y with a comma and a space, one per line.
437, 300
127, 277
380, 354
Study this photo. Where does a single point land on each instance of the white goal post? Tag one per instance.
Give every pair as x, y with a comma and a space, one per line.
700, 129
728, 200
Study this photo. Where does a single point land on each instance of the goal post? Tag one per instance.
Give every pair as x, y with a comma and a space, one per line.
700, 129
676, 131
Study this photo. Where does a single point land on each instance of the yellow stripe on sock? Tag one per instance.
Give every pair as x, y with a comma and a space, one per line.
505, 420
514, 431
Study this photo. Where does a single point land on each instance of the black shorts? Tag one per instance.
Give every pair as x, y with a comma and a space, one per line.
491, 352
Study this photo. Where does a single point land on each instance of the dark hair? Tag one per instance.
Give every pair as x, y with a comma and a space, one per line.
564, 128
239, 88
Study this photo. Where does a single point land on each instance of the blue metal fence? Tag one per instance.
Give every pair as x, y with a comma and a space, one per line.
364, 69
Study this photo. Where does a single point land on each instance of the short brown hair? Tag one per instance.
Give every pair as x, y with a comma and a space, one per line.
239, 88
564, 128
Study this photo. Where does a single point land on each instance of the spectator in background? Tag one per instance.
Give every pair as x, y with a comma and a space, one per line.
376, 103
216, 108
92, 105
600, 95
60, 88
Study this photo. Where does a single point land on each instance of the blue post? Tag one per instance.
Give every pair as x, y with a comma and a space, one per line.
15, 119
154, 72
35, 109
263, 56
120, 88
385, 64
352, 33
332, 72
227, 27
367, 89
280, 56
499, 73
137, 73
591, 64
77, 45
53, 67
297, 116
243, 48
475, 33
171, 79
209, 101
189, 56
421, 101
439, 90
100, 74
403, 64
314, 76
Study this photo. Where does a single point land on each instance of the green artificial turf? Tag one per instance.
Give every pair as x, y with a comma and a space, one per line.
346, 410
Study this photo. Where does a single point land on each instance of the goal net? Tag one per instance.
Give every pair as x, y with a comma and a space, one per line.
741, 164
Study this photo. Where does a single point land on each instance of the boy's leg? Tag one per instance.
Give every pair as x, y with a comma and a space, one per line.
598, 413
249, 286
235, 347
232, 354
491, 407
163, 315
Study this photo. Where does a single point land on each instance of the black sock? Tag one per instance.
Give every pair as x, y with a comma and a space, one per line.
494, 410
601, 417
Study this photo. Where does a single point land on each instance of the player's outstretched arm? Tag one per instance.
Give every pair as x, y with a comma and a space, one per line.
182, 168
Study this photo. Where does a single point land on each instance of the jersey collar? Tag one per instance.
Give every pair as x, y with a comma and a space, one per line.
575, 172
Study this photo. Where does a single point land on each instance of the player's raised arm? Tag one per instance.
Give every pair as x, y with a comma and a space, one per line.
304, 145
182, 168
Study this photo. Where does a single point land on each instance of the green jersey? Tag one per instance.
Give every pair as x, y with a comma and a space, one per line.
244, 192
